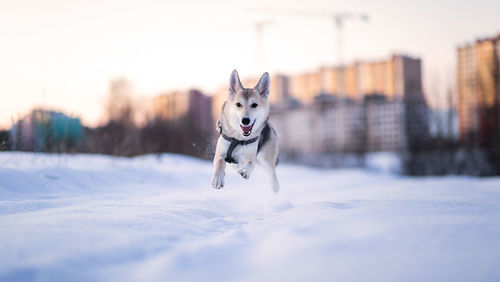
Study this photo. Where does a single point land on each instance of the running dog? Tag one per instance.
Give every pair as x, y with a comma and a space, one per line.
246, 136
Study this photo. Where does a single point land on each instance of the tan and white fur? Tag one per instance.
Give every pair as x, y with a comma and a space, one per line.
244, 115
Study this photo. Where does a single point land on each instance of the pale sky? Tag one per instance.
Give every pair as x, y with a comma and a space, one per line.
69, 50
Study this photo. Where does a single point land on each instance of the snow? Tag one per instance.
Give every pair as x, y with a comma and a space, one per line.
387, 162
156, 218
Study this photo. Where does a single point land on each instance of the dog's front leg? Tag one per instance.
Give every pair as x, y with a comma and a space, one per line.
219, 164
218, 179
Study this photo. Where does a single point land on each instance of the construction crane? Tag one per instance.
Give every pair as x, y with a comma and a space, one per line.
258, 27
259, 33
338, 19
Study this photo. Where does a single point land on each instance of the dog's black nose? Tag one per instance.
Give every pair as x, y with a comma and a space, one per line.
245, 121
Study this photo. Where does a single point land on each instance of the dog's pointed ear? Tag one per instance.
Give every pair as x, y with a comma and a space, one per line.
263, 85
234, 83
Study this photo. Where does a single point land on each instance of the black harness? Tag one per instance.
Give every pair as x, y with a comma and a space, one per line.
263, 138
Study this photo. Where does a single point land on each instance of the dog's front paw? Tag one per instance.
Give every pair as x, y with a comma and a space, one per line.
218, 182
244, 173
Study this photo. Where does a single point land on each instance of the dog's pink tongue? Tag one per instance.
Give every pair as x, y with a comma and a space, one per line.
246, 129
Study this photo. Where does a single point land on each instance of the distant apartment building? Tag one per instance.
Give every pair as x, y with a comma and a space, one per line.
189, 105
394, 78
354, 126
46, 131
478, 89
366, 106
343, 124
170, 106
386, 127
306, 86
298, 130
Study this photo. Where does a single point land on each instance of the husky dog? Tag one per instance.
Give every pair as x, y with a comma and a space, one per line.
246, 136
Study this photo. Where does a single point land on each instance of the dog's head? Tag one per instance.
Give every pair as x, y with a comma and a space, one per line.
248, 108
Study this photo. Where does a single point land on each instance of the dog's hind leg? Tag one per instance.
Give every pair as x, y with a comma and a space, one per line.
269, 165
273, 179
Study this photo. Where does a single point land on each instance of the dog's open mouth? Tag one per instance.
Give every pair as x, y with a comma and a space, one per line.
247, 129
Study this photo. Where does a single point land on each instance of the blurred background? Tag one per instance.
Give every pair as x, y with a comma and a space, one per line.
417, 79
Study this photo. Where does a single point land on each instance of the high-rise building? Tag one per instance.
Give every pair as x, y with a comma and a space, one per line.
394, 78
354, 126
365, 106
407, 79
298, 130
192, 105
386, 126
171, 106
306, 86
343, 126
478, 88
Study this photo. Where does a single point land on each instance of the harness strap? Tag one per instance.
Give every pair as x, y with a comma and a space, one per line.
235, 142
263, 139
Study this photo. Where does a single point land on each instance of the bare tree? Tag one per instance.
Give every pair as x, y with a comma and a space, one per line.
119, 104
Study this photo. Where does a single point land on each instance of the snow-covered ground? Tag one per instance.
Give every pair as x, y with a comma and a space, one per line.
98, 218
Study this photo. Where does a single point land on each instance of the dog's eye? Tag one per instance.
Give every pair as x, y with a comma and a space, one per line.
238, 105
254, 105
